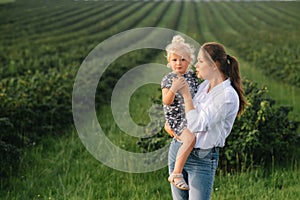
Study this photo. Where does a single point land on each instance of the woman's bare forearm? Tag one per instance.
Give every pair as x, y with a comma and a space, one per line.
188, 102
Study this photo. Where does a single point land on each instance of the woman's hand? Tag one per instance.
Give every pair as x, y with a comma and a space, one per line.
177, 84
185, 90
188, 102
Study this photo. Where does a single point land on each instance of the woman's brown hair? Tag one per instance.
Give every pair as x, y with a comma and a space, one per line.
229, 66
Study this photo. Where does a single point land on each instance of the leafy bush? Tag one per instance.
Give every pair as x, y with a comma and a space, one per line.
264, 132
9, 143
32, 106
39, 103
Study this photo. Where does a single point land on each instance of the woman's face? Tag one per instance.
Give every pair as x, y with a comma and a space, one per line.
203, 66
178, 63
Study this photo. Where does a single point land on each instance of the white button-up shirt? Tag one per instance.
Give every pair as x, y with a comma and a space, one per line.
215, 111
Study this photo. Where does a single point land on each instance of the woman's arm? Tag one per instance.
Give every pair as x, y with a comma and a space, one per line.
188, 101
194, 121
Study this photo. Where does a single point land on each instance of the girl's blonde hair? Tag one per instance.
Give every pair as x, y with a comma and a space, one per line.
180, 47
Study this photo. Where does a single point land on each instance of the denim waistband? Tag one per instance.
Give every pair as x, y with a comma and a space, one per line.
213, 150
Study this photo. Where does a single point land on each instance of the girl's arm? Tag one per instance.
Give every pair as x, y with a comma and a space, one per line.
169, 130
168, 96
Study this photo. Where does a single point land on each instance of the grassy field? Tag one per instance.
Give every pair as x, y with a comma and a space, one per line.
61, 168
41, 39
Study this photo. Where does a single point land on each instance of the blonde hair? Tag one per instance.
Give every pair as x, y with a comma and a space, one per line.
180, 47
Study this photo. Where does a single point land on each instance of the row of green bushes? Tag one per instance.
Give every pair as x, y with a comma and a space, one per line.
281, 60
264, 133
40, 103
37, 78
32, 105
38, 66
265, 47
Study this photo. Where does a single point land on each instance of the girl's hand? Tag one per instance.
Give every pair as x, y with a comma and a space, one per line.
169, 130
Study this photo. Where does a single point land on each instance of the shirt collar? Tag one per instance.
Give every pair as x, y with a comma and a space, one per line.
222, 85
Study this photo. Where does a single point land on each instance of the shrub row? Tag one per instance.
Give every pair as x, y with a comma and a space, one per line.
264, 132
31, 106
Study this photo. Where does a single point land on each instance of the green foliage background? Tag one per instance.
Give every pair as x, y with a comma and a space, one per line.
263, 133
44, 42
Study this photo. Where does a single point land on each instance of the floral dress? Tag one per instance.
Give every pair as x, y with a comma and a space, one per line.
175, 113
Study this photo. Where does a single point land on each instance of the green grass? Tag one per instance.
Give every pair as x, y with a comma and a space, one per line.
274, 183
61, 168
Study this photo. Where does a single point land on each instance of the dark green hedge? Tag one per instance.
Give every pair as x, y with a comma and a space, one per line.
264, 132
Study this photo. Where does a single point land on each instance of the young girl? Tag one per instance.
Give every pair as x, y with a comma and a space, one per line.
179, 55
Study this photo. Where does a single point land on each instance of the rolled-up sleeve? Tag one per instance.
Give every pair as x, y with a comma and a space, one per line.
197, 121
208, 113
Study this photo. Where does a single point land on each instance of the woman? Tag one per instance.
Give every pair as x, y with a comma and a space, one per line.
210, 116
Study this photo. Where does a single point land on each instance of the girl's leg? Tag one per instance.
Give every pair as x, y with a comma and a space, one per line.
188, 141
177, 194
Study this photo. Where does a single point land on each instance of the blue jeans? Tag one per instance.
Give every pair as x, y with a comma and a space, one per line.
199, 172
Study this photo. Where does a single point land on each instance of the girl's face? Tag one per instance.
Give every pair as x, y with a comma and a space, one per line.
204, 68
178, 63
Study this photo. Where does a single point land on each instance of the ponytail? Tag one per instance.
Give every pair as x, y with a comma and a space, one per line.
236, 81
